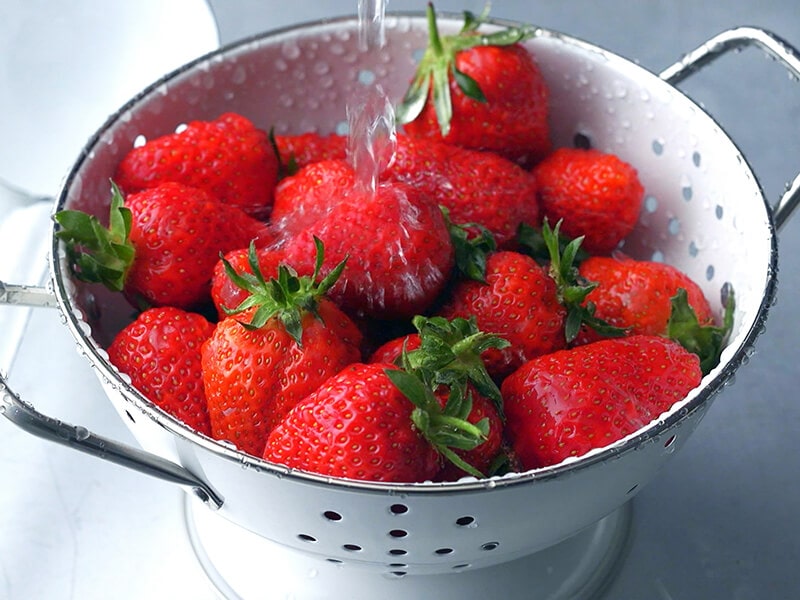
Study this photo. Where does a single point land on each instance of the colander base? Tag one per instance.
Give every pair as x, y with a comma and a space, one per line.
242, 565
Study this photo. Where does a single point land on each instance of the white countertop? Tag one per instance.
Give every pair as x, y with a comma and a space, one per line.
720, 521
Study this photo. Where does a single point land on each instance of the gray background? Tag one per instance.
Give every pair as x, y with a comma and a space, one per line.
720, 521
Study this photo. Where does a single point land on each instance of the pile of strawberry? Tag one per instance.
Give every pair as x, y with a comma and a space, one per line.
471, 313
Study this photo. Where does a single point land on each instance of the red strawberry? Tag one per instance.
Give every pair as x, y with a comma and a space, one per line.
518, 302
446, 356
566, 403
636, 294
391, 351
161, 244
255, 372
299, 150
398, 246
654, 298
160, 352
481, 91
593, 194
475, 187
310, 194
228, 157
357, 425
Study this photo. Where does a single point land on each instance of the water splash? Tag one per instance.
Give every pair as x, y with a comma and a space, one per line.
371, 128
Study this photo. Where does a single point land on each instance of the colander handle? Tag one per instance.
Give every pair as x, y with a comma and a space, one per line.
734, 40
79, 438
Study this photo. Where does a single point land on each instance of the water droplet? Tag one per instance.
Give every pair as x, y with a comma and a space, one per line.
290, 50
239, 75
81, 433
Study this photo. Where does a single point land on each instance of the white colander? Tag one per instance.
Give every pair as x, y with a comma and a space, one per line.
261, 530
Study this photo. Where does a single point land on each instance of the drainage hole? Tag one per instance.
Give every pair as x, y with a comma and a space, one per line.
398, 509
352, 547
398, 566
670, 441
130, 416
443, 551
307, 538
581, 140
490, 546
465, 521
332, 515
461, 566
335, 561
633, 489
398, 573
398, 552
398, 533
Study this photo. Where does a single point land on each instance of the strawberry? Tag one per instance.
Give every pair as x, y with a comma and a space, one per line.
654, 298
299, 150
161, 244
160, 352
310, 194
481, 91
518, 302
229, 157
398, 246
356, 425
475, 187
594, 194
569, 402
282, 342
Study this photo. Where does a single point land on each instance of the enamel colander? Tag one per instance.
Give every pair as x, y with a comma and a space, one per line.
262, 531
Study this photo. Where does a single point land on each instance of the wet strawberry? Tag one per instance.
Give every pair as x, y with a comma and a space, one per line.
299, 150
160, 352
285, 340
161, 244
229, 157
475, 187
397, 244
567, 403
356, 425
480, 91
654, 298
593, 194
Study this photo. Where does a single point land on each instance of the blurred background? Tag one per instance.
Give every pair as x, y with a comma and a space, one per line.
720, 521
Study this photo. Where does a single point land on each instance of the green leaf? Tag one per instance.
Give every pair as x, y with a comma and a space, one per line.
286, 297
95, 253
468, 85
707, 341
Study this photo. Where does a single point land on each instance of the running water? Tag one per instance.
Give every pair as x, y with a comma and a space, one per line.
370, 115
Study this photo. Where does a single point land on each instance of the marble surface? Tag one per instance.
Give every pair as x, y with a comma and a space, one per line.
720, 520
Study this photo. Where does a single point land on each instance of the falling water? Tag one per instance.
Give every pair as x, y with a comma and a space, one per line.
370, 114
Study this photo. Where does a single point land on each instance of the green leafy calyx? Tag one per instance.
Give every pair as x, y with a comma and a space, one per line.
95, 253
572, 287
707, 341
286, 297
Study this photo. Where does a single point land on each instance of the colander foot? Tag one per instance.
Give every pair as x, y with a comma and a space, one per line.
241, 565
